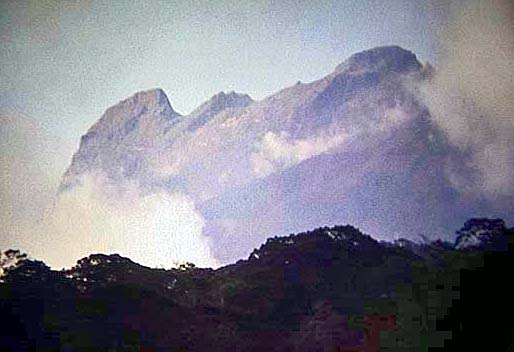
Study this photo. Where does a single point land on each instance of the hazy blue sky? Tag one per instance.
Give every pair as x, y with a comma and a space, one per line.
64, 62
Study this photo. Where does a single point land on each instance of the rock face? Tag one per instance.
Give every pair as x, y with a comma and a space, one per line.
215, 105
120, 142
356, 146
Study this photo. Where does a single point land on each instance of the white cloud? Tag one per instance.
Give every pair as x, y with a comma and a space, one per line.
158, 229
471, 96
279, 151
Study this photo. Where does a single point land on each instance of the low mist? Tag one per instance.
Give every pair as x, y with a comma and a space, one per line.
158, 229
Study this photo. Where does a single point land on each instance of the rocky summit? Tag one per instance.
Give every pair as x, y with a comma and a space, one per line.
385, 59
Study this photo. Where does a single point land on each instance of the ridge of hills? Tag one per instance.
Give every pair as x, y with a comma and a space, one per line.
330, 289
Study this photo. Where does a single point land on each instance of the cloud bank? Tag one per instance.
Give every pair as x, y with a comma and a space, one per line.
154, 229
471, 95
158, 229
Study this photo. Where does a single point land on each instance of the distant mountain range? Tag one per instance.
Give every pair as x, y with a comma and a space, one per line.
357, 146
331, 289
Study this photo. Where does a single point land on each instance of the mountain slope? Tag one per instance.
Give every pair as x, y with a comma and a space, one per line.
218, 103
120, 143
358, 146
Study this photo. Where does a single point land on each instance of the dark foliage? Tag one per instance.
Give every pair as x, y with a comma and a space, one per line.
331, 289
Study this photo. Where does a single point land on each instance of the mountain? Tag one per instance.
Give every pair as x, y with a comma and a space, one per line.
356, 146
118, 143
330, 289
